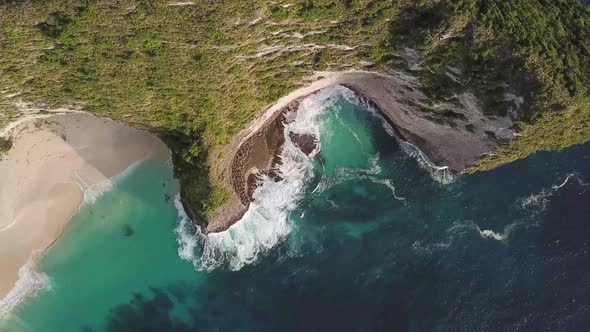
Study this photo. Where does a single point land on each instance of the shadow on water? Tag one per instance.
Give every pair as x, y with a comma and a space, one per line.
142, 314
439, 274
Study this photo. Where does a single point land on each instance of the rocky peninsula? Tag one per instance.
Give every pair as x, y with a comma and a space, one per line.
454, 134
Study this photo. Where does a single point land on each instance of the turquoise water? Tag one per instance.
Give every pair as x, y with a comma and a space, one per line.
121, 245
359, 237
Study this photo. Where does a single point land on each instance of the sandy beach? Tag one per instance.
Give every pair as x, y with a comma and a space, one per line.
53, 161
223, 159
449, 136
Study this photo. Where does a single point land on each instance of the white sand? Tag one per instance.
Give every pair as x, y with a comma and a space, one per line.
43, 176
321, 80
221, 159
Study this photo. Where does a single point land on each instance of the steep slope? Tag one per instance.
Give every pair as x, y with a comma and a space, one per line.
197, 72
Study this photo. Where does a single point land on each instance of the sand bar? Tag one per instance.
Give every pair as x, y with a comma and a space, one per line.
42, 179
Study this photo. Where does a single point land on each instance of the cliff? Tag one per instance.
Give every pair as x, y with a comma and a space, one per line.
455, 134
197, 75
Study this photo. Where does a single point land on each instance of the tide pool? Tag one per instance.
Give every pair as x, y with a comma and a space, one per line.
361, 236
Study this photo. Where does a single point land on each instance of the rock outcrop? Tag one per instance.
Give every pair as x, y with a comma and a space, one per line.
454, 134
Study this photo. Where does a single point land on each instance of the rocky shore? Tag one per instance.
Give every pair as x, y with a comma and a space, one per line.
453, 134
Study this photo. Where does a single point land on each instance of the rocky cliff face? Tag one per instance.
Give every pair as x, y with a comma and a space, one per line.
453, 135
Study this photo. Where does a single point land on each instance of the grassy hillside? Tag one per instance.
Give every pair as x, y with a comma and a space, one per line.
197, 73
539, 50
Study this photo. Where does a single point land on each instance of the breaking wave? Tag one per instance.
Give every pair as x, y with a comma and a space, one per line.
441, 174
29, 283
266, 223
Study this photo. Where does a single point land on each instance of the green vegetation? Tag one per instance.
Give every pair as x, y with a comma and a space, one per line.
5, 145
540, 48
197, 74
553, 131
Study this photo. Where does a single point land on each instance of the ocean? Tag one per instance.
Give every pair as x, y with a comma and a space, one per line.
365, 234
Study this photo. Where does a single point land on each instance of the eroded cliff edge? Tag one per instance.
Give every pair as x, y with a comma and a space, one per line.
454, 134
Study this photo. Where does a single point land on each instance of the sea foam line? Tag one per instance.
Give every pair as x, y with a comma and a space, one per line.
29, 283
266, 223
347, 174
441, 174
485, 233
459, 229
92, 192
541, 199
488, 233
389, 184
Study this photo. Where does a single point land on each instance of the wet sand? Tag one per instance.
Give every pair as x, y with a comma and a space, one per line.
53, 161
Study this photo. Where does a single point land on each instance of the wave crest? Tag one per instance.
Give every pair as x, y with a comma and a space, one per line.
266, 223
30, 282
540, 200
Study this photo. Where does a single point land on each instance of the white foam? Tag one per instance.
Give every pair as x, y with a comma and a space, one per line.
347, 174
461, 228
187, 240
94, 191
542, 198
491, 234
567, 179
30, 282
539, 199
389, 184
266, 223
470, 226
374, 162
441, 174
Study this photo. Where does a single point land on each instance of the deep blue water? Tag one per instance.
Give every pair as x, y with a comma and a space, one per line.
375, 243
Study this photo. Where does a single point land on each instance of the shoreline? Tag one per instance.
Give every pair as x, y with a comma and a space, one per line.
54, 165
450, 136
30, 280
221, 219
